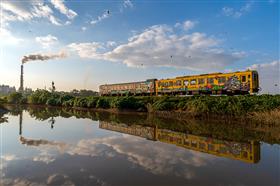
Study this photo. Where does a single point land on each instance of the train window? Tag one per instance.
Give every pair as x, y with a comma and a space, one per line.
170, 83
249, 76
201, 145
186, 82
210, 80
178, 83
243, 78
223, 150
211, 147
194, 144
166, 84
186, 142
193, 82
222, 79
201, 81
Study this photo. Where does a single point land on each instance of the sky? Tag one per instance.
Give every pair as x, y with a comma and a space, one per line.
87, 43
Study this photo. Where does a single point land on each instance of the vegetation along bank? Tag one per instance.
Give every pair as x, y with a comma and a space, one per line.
262, 107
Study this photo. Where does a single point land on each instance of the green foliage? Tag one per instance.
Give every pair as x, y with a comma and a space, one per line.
127, 102
103, 102
166, 103
205, 105
80, 102
3, 100
92, 102
15, 98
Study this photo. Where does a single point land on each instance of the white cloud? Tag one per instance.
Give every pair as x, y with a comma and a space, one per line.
230, 12
160, 46
100, 18
127, 4
188, 25
26, 11
46, 41
35, 9
111, 44
269, 76
59, 4
87, 50
84, 28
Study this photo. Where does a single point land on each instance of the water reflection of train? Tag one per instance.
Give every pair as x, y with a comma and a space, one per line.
244, 151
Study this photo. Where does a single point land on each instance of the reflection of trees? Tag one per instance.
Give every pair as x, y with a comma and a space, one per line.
3, 119
2, 113
214, 128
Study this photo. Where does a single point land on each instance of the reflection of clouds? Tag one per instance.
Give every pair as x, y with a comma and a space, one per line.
20, 182
8, 157
155, 157
4, 159
59, 179
54, 179
45, 156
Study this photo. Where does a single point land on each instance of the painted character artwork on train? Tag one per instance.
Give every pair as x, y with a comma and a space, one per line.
244, 82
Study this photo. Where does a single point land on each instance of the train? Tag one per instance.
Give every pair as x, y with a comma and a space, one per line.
233, 83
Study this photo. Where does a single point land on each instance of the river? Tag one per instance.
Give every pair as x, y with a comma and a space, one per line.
52, 146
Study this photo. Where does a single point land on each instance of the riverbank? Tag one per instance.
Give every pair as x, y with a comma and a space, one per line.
263, 108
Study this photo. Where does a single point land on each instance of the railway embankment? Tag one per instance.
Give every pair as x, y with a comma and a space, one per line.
262, 108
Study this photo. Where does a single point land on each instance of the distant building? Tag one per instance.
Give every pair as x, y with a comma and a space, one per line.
6, 89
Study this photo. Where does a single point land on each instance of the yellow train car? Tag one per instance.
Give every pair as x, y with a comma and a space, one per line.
241, 82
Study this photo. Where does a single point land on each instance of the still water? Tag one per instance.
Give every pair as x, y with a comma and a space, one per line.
43, 146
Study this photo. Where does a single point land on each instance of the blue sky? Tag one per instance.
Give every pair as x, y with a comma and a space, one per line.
137, 40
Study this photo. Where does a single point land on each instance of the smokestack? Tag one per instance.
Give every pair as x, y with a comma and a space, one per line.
21, 79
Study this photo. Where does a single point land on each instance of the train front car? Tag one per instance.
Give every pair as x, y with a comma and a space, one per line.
244, 82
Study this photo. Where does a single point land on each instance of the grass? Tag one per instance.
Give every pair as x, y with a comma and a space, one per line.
271, 117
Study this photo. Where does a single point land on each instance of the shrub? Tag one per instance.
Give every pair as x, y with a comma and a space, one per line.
15, 98
92, 102
103, 103
52, 102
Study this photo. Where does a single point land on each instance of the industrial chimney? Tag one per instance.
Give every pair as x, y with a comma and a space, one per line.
21, 79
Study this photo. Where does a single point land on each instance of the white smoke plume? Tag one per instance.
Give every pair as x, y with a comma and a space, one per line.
43, 57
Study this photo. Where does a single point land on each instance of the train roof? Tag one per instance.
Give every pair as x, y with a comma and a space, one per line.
129, 82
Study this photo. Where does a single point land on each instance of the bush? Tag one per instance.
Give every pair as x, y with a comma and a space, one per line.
92, 102
15, 98
3, 100
128, 102
166, 103
103, 103
52, 102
